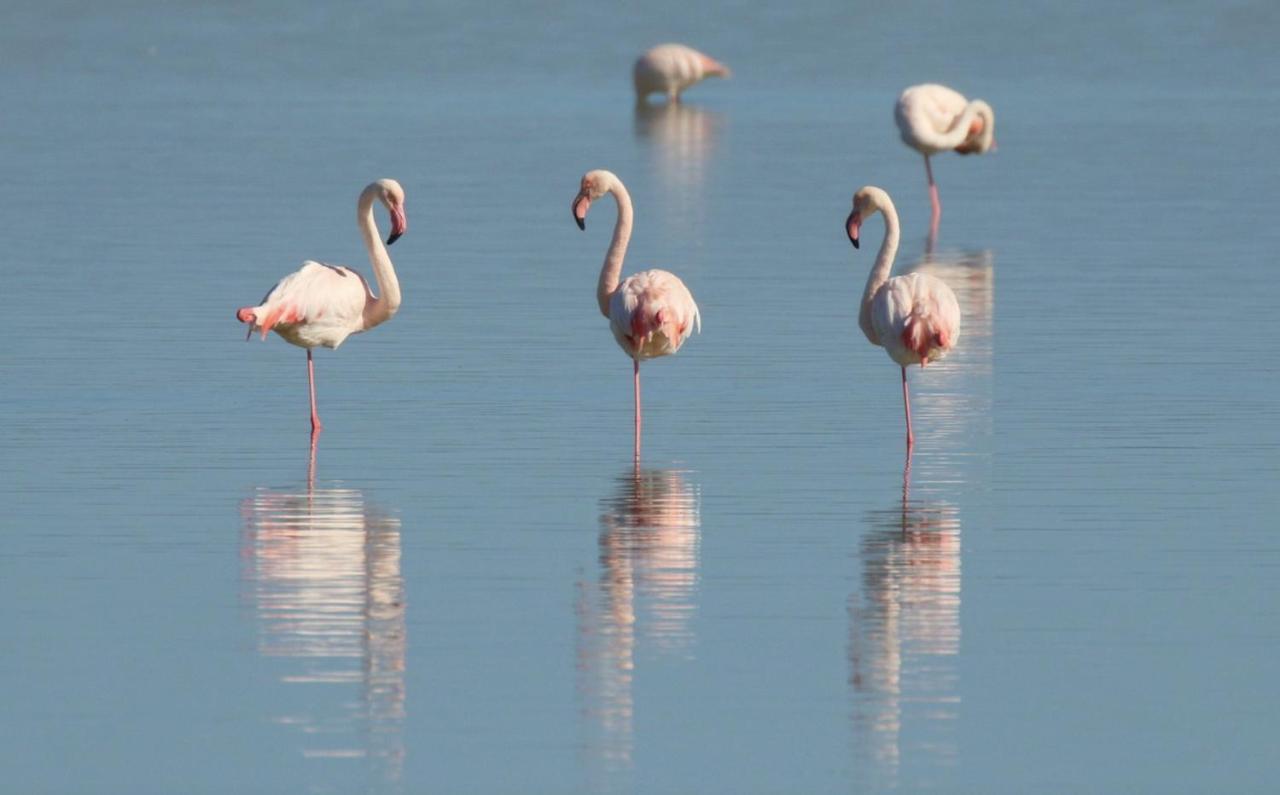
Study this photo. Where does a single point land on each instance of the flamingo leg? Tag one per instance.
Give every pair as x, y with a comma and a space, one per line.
311, 464
906, 404
311, 382
906, 491
637, 389
933, 200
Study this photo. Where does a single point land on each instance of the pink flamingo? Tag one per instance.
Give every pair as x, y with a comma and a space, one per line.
321, 304
671, 68
933, 118
915, 317
651, 313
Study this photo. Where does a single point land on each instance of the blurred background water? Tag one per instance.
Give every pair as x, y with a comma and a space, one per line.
1074, 589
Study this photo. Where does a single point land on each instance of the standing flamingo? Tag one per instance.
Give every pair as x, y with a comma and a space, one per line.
671, 68
933, 118
321, 304
915, 317
651, 313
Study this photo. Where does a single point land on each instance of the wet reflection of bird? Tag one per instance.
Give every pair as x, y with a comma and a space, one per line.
682, 139
322, 569
904, 635
649, 540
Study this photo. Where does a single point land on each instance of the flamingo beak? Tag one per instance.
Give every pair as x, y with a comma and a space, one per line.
580, 207
852, 225
398, 224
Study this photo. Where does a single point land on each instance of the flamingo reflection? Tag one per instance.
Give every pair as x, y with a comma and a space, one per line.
682, 139
322, 569
904, 635
649, 539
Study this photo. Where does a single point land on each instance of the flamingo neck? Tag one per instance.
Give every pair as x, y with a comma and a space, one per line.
378, 308
880, 270
611, 271
959, 132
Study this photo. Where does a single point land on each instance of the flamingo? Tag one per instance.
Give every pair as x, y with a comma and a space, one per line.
671, 68
651, 313
933, 118
321, 304
915, 317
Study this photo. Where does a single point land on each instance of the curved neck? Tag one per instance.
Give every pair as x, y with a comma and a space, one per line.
959, 132
880, 271
611, 271
379, 308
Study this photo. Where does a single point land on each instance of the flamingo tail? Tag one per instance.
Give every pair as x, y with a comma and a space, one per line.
258, 321
922, 333
246, 314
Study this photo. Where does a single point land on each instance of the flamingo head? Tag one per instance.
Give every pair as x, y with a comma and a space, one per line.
866, 202
594, 185
982, 131
391, 195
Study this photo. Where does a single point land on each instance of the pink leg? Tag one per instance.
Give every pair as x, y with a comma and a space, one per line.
906, 403
906, 492
311, 463
311, 381
933, 200
637, 387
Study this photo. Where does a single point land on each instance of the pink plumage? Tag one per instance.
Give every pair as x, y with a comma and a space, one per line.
914, 317
669, 69
932, 119
318, 305
651, 313
321, 305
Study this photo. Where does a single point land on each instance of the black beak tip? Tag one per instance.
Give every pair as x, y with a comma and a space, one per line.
582, 223
393, 238
854, 241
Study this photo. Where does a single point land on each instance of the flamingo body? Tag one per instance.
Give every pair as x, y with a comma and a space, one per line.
929, 120
321, 305
652, 313
669, 69
318, 305
933, 118
914, 317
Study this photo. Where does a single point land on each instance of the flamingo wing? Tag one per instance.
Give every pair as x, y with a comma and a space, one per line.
654, 301
926, 112
916, 318
317, 304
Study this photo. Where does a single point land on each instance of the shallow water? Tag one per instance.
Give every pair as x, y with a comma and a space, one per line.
470, 588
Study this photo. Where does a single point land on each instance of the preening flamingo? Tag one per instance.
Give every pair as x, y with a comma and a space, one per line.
915, 317
933, 118
671, 68
651, 313
321, 304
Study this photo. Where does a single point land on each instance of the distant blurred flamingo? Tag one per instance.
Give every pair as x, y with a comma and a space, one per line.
915, 317
323, 304
671, 68
651, 313
933, 118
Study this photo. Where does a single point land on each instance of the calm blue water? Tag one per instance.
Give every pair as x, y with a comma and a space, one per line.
1075, 589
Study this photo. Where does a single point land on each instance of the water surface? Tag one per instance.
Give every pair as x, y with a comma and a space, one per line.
471, 588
